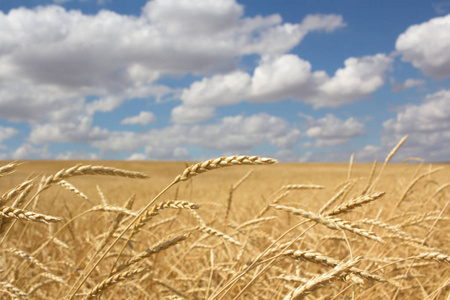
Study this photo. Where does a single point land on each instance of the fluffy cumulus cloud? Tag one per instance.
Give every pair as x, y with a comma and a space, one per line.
360, 77
79, 130
144, 118
235, 134
282, 77
428, 126
331, 131
243, 133
27, 151
59, 67
427, 46
6, 133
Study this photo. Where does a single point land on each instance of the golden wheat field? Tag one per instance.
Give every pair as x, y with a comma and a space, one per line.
252, 230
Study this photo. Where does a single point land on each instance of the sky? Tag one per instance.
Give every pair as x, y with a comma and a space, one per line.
299, 81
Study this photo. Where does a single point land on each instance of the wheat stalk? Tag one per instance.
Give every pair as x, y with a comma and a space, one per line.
232, 189
116, 222
153, 211
344, 189
217, 233
153, 250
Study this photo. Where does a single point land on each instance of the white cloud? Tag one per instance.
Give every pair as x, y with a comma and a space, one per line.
6, 133
27, 151
331, 131
360, 77
408, 84
411, 82
237, 134
370, 153
77, 155
428, 126
185, 114
427, 46
441, 7
144, 118
137, 156
52, 59
193, 17
287, 76
78, 130
218, 90
241, 133
282, 77
327, 23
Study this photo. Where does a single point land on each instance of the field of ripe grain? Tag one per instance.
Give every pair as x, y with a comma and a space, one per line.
232, 228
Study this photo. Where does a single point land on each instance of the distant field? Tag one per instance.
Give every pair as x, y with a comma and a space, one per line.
225, 232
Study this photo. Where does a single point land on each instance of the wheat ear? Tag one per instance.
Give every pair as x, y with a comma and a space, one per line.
15, 191
13, 291
353, 203
17, 213
153, 250
275, 201
102, 286
221, 162
321, 280
68, 186
434, 256
7, 169
388, 159
27, 257
316, 257
344, 189
217, 233
90, 170
332, 223
153, 211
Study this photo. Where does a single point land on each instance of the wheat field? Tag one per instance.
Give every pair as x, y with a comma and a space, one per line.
229, 228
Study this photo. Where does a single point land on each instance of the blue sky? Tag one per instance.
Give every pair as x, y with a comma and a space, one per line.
194, 79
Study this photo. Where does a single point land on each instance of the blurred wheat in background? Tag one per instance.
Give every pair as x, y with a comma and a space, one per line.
153, 230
